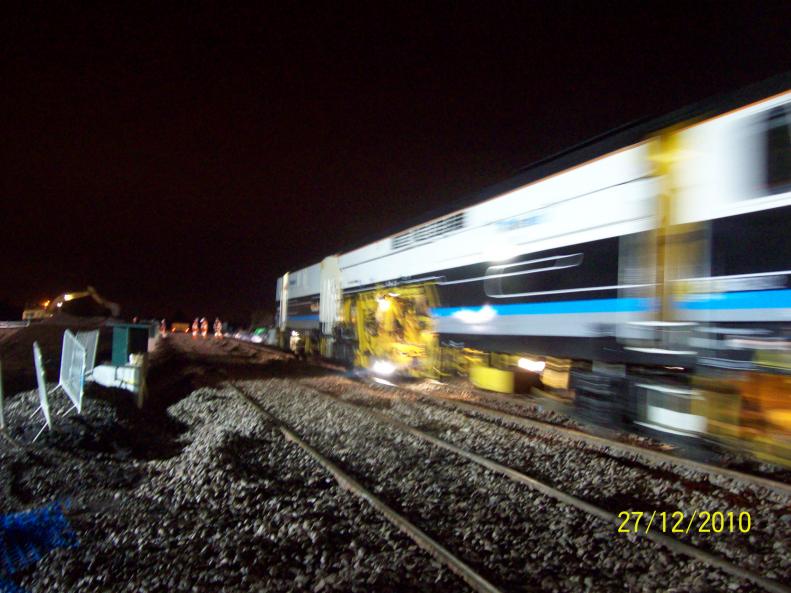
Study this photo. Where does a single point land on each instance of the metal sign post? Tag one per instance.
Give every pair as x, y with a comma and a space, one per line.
2, 400
41, 380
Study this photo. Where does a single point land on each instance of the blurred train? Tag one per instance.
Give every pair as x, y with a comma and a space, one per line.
644, 275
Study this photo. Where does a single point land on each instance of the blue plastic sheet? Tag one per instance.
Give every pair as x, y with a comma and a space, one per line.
27, 536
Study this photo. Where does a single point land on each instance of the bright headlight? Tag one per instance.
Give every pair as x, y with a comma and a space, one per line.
382, 367
534, 366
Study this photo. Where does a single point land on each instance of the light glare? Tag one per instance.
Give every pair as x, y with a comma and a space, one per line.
534, 366
473, 316
382, 367
500, 252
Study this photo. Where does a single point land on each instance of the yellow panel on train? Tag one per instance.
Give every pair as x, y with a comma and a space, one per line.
492, 379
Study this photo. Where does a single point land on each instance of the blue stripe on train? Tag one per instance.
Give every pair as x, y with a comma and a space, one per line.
749, 299
754, 299
554, 307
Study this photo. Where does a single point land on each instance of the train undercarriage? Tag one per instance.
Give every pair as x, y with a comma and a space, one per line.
741, 405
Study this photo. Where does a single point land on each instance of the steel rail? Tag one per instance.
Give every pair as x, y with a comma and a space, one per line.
347, 482
673, 544
647, 454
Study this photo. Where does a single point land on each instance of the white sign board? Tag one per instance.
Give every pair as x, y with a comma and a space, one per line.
72, 369
89, 341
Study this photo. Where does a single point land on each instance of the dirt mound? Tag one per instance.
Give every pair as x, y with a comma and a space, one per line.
16, 348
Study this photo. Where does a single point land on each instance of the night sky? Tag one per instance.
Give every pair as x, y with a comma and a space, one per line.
182, 158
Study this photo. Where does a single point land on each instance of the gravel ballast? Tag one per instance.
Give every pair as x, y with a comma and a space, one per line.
199, 493
233, 507
615, 482
518, 539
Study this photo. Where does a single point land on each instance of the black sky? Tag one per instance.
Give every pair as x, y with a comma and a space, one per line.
182, 158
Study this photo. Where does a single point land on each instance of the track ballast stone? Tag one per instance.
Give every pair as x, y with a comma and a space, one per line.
616, 482
518, 539
232, 507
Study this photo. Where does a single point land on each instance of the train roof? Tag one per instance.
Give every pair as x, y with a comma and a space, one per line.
626, 135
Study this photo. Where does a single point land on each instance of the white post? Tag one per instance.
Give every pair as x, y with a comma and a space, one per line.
2, 400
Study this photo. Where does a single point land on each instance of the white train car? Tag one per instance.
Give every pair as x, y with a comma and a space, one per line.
651, 253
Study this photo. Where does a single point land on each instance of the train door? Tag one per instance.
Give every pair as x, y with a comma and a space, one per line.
329, 304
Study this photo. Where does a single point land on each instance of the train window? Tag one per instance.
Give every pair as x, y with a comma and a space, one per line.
668, 399
778, 150
524, 278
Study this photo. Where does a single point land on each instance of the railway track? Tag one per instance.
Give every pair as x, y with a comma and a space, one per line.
467, 571
345, 480
619, 481
529, 422
647, 454
496, 415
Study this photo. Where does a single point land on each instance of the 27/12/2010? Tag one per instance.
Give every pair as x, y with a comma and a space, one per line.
716, 522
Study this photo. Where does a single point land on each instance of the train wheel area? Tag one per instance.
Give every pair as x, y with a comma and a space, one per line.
718, 416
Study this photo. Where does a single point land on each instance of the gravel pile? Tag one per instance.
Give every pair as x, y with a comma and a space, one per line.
207, 498
197, 493
618, 482
515, 537
98, 450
